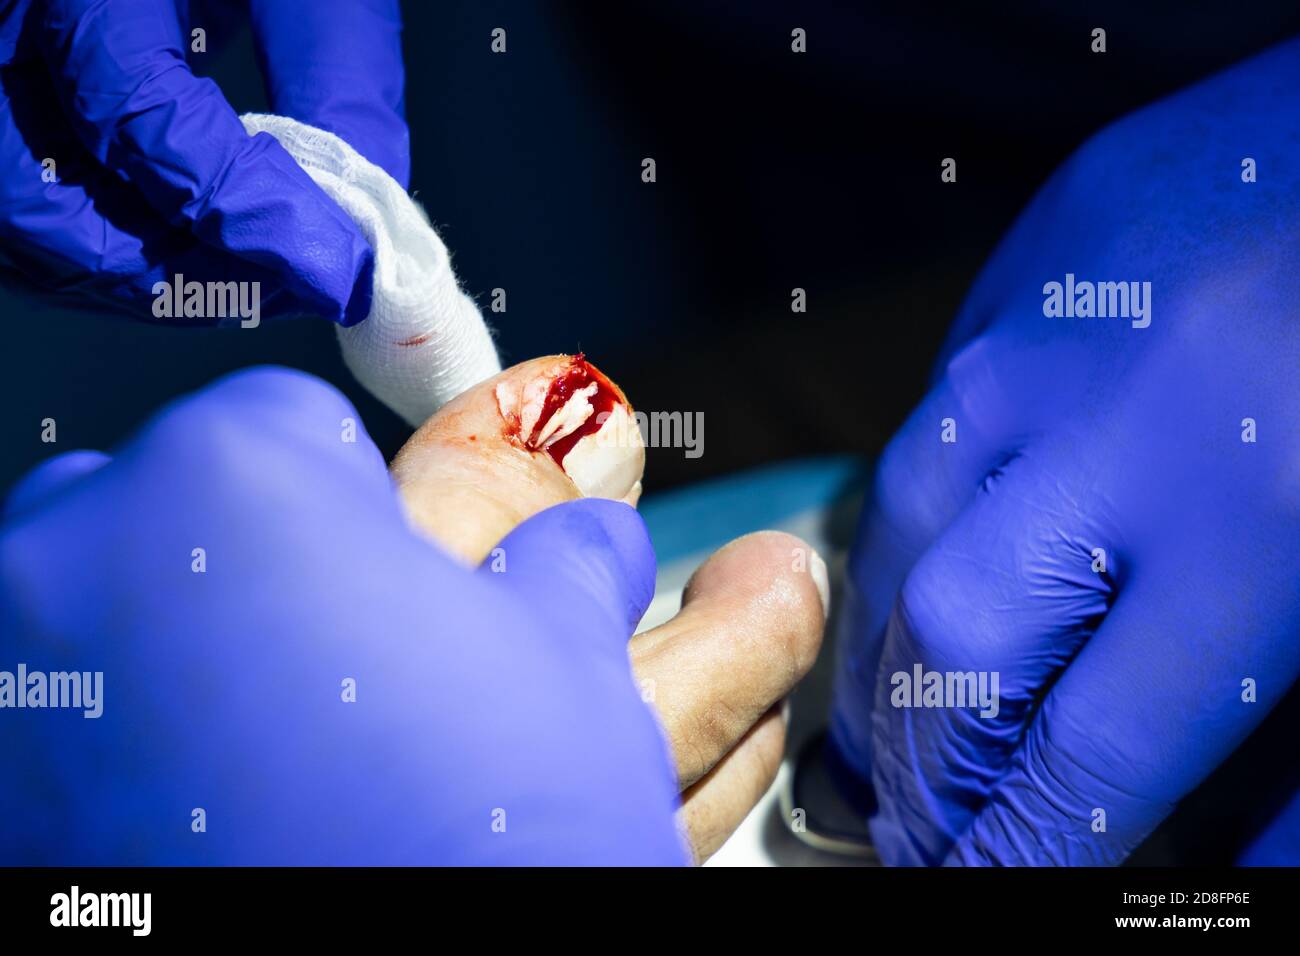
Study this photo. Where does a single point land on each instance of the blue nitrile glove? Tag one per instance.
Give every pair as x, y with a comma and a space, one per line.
495, 717
1172, 448
153, 174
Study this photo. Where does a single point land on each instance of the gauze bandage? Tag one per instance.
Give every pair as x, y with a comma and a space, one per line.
424, 341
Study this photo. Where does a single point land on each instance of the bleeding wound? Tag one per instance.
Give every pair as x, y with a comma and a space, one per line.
575, 414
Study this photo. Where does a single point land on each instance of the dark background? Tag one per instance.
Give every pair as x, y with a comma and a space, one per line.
775, 170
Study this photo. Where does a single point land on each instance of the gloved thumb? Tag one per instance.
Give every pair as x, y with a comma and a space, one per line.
587, 562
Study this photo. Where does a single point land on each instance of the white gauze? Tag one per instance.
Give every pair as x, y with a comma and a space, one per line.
424, 341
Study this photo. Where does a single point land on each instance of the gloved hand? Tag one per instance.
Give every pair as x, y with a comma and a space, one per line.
495, 715
153, 173
1111, 527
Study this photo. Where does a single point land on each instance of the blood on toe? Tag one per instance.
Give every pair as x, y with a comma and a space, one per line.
576, 377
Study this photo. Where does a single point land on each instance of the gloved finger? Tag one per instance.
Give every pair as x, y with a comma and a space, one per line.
962, 430
338, 67
716, 805
267, 428
588, 563
260, 464
122, 79
91, 237
75, 228
480, 466
1155, 700
750, 627
49, 478
992, 610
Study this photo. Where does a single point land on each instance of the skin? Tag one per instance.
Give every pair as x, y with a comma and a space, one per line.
467, 480
750, 625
